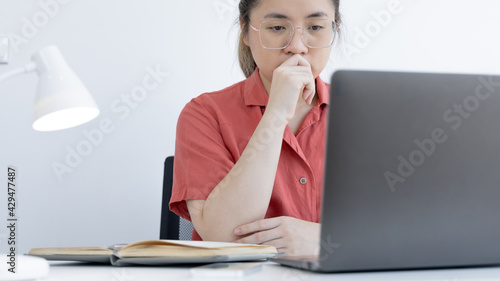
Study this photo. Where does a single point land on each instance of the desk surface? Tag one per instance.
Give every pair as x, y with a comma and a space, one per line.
270, 271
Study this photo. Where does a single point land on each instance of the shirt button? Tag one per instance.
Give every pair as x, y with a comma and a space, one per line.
303, 180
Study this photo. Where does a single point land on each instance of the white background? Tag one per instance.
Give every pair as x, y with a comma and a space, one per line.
113, 195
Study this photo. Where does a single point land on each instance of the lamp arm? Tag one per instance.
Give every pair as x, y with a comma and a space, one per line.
29, 67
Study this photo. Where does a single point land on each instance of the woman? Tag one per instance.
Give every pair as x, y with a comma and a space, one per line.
249, 158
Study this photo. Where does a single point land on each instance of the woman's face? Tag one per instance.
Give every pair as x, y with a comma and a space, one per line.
297, 12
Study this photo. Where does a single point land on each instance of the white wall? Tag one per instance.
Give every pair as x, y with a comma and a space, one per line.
114, 193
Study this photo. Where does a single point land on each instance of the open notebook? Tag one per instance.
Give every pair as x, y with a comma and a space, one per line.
159, 252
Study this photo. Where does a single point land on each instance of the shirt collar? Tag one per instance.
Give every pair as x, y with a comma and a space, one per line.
323, 91
255, 93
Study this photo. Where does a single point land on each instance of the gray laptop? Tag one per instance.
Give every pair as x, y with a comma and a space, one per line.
412, 173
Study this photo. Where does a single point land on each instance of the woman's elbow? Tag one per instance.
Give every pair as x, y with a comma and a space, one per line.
208, 228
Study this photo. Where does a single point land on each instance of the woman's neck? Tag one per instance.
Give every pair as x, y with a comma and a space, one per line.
265, 82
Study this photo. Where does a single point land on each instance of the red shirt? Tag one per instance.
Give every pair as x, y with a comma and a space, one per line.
214, 129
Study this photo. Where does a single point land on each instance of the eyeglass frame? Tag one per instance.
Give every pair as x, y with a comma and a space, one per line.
334, 33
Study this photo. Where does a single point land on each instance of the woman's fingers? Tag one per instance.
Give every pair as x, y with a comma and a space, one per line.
303, 69
259, 225
258, 232
291, 235
291, 81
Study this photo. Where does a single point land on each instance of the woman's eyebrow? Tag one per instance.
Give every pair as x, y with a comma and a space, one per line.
275, 16
282, 16
317, 15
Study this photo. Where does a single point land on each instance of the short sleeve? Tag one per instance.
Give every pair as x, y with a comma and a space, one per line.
201, 158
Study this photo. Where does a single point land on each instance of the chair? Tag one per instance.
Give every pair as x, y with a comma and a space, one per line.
172, 226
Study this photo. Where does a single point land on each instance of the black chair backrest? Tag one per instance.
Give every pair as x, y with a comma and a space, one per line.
169, 225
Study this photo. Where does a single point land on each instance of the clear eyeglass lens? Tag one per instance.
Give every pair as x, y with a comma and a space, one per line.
275, 34
317, 33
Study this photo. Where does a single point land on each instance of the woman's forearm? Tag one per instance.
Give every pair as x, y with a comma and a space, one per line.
243, 195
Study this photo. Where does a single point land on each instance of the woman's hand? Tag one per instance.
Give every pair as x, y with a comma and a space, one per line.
291, 80
287, 234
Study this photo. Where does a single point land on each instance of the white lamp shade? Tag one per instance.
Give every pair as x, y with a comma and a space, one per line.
62, 101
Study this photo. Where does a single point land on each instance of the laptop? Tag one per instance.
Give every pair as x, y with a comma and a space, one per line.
412, 173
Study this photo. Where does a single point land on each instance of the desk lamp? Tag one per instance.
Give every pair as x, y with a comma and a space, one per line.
62, 101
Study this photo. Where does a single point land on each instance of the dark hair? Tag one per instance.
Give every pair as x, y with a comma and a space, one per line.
247, 63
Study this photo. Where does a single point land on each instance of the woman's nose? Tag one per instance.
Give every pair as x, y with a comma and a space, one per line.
297, 44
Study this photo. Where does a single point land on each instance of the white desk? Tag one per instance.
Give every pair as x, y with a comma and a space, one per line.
270, 271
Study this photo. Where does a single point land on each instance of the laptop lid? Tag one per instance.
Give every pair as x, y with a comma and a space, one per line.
412, 175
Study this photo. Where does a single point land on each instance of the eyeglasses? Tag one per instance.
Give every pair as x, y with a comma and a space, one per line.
277, 34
